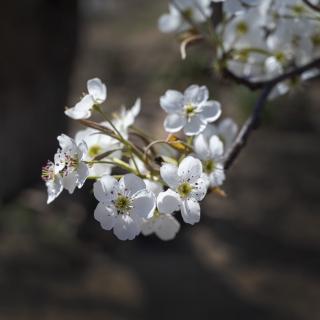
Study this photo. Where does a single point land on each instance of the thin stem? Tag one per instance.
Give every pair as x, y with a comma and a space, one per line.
251, 124
254, 85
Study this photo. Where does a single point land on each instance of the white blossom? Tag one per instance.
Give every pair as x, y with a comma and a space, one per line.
69, 163
188, 185
122, 205
180, 14
162, 223
53, 181
97, 94
210, 151
126, 118
98, 143
190, 111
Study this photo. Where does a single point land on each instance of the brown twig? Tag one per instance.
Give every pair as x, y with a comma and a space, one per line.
311, 5
254, 120
255, 85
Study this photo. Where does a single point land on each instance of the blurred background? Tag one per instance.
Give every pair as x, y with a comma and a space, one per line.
254, 255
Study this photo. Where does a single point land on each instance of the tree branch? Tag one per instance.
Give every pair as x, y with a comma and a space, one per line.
311, 5
254, 85
251, 124
254, 120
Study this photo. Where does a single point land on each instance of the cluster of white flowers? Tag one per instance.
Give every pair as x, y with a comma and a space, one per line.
145, 194
256, 40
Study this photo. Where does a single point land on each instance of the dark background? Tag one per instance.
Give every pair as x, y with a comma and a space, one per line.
254, 255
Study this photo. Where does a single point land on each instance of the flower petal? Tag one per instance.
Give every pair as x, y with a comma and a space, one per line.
190, 211
144, 204
190, 169
83, 172
70, 181
199, 189
166, 227
174, 122
194, 126
196, 95
147, 227
97, 90
129, 184
169, 22
211, 111
168, 201
169, 173
153, 186
201, 147
106, 189
126, 227
105, 215
216, 147
172, 101
82, 110
54, 188
217, 177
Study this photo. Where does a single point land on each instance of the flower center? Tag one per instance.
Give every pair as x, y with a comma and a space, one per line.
298, 9
209, 166
94, 150
187, 13
242, 28
190, 110
316, 39
281, 57
123, 204
184, 189
48, 172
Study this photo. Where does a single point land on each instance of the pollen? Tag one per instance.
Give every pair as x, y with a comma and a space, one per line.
184, 189
190, 110
242, 28
209, 166
94, 150
123, 204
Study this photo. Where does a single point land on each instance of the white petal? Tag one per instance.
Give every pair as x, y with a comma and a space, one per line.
190, 211
211, 111
126, 227
135, 110
82, 150
196, 95
129, 184
168, 201
216, 147
169, 173
147, 227
199, 189
144, 204
172, 101
190, 169
228, 130
153, 186
166, 227
232, 6
66, 142
97, 90
194, 126
105, 215
82, 110
201, 147
174, 122
70, 181
54, 189
83, 172
106, 189
169, 23
217, 177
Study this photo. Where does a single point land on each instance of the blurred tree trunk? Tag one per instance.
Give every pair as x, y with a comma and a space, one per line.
38, 42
